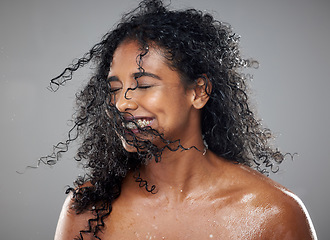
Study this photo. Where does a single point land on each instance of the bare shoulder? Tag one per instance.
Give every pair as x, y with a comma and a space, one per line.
70, 223
279, 213
293, 221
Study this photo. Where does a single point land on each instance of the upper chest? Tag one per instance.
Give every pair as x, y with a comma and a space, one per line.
218, 219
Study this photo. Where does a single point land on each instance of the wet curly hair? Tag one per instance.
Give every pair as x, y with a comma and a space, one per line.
197, 46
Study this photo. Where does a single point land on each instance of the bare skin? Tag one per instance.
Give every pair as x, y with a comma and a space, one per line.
197, 196
224, 201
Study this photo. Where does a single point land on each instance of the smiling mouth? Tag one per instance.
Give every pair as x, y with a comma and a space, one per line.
139, 122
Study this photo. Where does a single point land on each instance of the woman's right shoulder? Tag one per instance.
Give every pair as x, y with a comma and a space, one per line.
70, 223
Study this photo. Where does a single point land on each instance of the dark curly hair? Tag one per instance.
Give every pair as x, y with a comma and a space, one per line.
196, 46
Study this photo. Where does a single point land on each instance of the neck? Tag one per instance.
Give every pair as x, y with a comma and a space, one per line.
179, 171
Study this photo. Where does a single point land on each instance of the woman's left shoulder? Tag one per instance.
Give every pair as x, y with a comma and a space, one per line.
289, 218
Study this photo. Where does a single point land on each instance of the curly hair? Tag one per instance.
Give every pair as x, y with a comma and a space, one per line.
196, 46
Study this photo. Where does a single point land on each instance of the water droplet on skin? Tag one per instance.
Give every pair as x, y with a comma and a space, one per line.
211, 235
148, 236
155, 227
181, 190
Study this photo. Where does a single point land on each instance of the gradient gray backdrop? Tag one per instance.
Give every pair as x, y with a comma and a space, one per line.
39, 38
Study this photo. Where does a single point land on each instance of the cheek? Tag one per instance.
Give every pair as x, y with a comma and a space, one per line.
155, 101
165, 103
159, 105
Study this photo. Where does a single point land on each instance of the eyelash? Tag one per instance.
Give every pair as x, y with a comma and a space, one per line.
140, 87
114, 90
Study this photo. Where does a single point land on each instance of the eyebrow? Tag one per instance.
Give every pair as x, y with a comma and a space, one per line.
135, 76
147, 74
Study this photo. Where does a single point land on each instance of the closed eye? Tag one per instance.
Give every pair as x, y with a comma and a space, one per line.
113, 90
144, 86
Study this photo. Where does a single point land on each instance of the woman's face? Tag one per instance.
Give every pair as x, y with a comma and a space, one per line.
160, 100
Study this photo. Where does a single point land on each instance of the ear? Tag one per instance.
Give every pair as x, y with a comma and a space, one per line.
202, 91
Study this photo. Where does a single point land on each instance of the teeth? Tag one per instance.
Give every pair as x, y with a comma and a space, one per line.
141, 123
130, 125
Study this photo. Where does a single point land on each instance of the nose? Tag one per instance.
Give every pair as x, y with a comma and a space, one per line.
125, 103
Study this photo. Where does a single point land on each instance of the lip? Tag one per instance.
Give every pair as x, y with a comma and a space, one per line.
135, 118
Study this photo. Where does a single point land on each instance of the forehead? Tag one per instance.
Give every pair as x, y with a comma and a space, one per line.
127, 48
132, 52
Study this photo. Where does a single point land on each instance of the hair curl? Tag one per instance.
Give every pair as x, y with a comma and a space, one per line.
197, 46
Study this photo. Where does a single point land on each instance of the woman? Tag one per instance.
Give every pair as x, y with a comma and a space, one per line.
170, 141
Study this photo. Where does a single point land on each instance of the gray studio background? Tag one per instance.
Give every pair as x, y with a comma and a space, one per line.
39, 38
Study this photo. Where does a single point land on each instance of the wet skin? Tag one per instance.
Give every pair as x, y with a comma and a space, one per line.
198, 196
